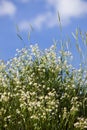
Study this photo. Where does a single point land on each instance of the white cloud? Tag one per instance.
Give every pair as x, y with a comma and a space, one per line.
67, 8
70, 8
7, 8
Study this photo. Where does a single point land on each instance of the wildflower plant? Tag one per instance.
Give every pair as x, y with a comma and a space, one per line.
41, 90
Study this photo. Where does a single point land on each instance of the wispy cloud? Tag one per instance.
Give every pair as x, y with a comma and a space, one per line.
39, 22
67, 8
7, 8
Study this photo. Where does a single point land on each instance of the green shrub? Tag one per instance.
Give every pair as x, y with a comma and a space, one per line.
41, 90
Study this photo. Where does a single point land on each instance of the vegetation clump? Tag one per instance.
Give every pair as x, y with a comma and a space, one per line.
41, 90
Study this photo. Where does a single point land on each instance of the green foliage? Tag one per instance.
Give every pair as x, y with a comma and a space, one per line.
41, 90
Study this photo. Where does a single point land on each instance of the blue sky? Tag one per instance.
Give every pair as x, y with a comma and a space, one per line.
42, 15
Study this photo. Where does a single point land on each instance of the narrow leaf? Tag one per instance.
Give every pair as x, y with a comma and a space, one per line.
28, 35
17, 28
32, 29
59, 20
74, 36
19, 37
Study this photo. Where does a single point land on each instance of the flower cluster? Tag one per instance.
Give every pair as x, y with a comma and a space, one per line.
40, 90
